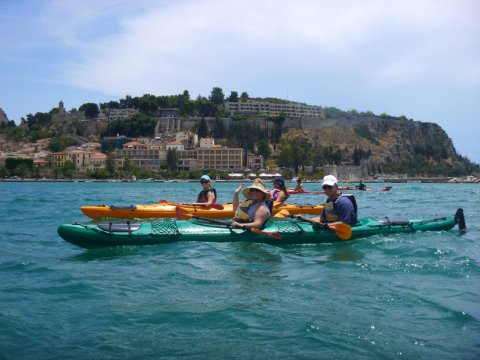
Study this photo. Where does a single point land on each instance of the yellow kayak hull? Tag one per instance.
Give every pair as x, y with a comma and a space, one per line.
162, 210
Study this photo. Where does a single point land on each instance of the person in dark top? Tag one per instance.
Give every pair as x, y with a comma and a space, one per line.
361, 186
208, 195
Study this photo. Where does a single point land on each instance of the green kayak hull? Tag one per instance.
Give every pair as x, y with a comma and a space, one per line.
91, 235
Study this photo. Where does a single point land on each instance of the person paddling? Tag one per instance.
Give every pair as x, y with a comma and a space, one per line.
208, 195
299, 188
255, 211
337, 209
361, 186
279, 192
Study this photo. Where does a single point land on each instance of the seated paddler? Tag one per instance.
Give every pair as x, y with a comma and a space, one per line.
207, 196
255, 211
337, 209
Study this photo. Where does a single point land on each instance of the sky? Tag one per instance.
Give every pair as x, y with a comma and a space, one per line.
418, 58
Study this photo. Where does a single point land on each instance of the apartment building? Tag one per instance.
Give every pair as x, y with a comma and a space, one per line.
140, 155
83, 160
254, 107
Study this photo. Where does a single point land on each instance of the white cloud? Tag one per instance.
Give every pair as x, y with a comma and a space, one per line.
194, 44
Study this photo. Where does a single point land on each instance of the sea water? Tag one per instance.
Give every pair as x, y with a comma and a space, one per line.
407, 296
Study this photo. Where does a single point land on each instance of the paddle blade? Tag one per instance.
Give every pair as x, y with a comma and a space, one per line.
275, 235
343, 231
163, 201
282, 214
182, 214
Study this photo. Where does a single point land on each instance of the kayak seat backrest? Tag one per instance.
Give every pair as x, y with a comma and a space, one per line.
387, 221
111, 227
131, 207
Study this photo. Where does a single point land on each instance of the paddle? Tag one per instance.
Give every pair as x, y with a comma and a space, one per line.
343, 231
282, 214
183, 214
208, 206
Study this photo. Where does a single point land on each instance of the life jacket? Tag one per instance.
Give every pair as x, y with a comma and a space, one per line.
274, 193
246, 210
329, 208
203, 196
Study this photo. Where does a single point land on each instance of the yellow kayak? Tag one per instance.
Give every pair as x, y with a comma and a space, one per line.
168, 210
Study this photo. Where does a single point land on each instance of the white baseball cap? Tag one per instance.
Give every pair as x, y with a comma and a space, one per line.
329, 180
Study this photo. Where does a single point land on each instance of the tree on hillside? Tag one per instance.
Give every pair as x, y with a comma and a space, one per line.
294, 152
217, 96
263, 148
110, 105
147, 104
138, 125
172, 159
126, 103
244, 96
233, 96
90, 110
205, 107
110, 165
219, 130
68, 169
37, 121
202, 129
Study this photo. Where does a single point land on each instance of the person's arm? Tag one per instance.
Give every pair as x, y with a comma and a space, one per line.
236, 201
210, 197
280, 197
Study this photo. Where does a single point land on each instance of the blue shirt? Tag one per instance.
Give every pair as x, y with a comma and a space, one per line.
344, 209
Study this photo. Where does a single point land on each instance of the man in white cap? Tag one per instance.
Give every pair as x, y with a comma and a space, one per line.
337, 208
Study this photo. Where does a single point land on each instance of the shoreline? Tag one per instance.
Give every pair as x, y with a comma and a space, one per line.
451, 180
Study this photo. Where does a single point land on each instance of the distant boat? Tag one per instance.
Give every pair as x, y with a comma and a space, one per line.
294, 179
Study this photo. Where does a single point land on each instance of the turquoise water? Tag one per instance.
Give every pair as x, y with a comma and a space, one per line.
397, 297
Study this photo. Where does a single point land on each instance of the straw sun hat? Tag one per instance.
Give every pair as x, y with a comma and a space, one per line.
257, 184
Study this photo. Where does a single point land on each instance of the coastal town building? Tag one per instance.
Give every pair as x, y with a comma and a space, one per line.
254, 162
83, 160
152, 158
290, 109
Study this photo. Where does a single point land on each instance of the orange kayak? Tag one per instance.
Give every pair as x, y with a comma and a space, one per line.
167, 210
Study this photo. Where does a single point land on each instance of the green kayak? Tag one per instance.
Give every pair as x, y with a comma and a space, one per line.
91, 235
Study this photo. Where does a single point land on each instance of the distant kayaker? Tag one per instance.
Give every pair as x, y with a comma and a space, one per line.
337, 208
361, 186
208, 195
299, 188
254, 211
279, 192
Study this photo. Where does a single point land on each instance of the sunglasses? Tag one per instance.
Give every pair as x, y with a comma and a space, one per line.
325, 187
203, 181
255, 190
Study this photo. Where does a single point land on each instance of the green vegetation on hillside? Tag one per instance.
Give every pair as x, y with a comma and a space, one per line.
384, 144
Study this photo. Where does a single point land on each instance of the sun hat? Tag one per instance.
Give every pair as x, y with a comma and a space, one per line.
279, 181
257, 184
205, 177
329, 180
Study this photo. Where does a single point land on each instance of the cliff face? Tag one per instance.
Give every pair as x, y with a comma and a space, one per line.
3, 116
388, 140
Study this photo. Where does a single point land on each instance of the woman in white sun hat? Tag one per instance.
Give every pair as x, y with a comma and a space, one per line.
254, 211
